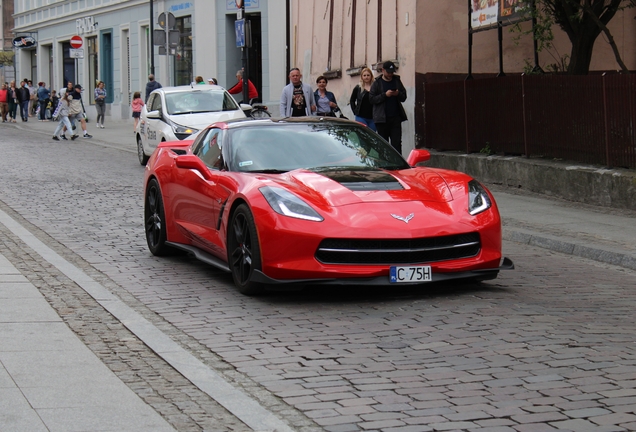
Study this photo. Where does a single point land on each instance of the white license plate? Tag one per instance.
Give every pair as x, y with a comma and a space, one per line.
410, 274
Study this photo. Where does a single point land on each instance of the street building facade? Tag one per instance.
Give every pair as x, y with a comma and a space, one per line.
338, 38
117, 45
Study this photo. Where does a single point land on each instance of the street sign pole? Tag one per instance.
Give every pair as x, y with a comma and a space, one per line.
244, 57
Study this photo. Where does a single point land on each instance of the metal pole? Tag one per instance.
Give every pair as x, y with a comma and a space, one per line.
500, 36
244, 57
152, 39
470, 43
167, 46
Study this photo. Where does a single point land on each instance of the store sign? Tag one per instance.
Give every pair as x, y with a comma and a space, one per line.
24, 42
85, 25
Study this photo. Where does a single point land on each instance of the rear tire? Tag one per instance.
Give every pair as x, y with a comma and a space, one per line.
244, 255
143, 159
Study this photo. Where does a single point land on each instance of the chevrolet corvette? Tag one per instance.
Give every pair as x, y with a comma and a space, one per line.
286, 202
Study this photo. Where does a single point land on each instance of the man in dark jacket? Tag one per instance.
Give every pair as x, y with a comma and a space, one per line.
386, 95
23, 95
151, 85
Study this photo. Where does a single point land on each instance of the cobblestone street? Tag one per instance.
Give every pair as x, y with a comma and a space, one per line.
548, 346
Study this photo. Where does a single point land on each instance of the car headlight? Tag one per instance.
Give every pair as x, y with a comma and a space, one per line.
178, 129
286, 203
478, 199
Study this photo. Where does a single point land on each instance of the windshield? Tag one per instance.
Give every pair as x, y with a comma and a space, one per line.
317, 147
198, 101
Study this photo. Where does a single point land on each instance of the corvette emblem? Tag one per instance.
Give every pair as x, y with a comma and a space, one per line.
404, 219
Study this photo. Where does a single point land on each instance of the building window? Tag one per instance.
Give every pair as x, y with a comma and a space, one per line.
183, 72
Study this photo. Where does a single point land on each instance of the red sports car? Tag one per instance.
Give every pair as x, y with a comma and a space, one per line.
317, 200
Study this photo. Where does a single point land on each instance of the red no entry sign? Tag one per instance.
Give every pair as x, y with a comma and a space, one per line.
76, 42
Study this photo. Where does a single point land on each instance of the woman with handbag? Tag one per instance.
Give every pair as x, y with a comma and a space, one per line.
100, 103
359, 101
325, 100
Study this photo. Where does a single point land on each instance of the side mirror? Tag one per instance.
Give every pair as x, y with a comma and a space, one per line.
418, 155
153, 115
190, 161
247, 108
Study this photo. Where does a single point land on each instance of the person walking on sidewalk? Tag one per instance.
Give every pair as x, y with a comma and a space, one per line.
100, 103
359, 100
151, 85
62, 115
4, 102
44, 97
76, 110
24, 98
136, 105
297, 99
12, 97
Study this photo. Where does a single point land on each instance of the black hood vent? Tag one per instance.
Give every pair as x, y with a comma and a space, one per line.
361, 180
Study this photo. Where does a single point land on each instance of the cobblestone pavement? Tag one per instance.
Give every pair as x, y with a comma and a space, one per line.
548, 346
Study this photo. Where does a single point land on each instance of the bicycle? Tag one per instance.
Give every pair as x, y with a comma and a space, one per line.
258, 109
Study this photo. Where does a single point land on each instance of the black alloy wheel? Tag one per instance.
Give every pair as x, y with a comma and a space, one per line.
243, 250
143, 159
155, 220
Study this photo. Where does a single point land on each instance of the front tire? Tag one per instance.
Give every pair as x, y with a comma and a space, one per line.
155, 220
244, 255
143, 159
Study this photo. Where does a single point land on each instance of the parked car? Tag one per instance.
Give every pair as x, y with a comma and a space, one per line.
285, 202
175, 113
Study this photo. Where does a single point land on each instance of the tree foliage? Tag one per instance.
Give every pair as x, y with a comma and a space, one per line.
583, 21
6, 58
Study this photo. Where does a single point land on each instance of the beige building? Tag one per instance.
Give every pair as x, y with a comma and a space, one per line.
337, 37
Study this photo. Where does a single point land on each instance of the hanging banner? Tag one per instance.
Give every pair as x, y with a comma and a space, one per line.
487, 14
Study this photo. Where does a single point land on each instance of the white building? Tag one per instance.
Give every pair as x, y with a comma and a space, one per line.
117, 49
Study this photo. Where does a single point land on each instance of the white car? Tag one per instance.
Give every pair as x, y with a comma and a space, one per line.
175, 113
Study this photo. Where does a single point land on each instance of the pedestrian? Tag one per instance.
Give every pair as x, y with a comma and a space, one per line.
44, 97
213, 81
24, 98
359, 101
52, 105
100, 104
151, 85
12, 97
325, 100
252, 93
62, 113
67, 88
136, 105
76, 110
33, 97
4, 102
297, 99
199, 80
386, 95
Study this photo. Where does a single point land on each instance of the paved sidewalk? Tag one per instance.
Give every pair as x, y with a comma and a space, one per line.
49, 380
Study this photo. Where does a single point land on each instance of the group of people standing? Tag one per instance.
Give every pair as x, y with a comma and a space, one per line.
14, 100
375, 102
70, 110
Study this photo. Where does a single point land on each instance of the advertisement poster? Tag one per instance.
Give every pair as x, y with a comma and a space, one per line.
487, 14
512, 11
484, 14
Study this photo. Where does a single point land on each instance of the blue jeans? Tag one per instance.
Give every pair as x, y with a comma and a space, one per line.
366, 121
24, 110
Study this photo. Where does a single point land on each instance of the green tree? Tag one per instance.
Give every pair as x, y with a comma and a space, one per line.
583, 21
6, 58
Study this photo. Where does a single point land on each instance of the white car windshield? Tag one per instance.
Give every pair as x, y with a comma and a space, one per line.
215, 100
281, 148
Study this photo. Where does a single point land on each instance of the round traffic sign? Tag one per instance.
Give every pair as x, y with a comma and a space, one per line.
76, 42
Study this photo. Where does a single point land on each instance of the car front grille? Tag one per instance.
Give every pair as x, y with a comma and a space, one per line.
409, 251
